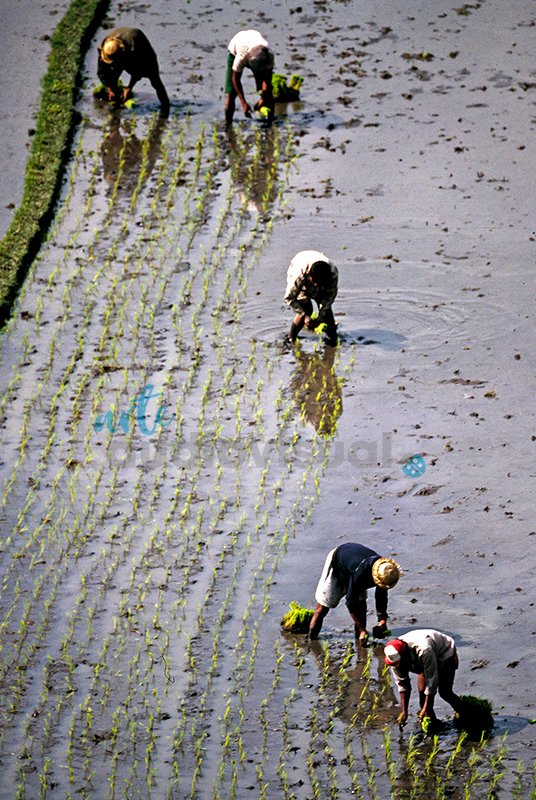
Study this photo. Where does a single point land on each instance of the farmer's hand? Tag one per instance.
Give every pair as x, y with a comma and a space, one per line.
309, 323
248, 111
402, 718
127, 91
112, 97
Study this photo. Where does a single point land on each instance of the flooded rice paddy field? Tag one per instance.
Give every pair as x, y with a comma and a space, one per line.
145, 569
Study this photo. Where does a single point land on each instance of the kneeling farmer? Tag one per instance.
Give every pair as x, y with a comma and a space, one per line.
249, 49
432, 655
129, 49
350, 570
312, 276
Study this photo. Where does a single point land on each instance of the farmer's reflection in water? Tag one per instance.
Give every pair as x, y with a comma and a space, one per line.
317, 390
126, 159
253, 158
362, 686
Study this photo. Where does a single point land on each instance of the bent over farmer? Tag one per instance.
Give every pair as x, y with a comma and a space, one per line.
249, 49
350, 569
312, 276
432, 656
129, 49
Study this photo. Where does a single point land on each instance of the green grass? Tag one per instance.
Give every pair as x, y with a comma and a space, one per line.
55, 124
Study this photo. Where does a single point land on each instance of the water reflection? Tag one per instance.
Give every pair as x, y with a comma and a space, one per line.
316, 389
127, 159
360, 686
253, 160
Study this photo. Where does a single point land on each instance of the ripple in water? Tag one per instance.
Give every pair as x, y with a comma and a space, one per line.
394, 320
416, 319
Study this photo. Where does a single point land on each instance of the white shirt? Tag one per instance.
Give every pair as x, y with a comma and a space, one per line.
298, 287
428, 649
241, 46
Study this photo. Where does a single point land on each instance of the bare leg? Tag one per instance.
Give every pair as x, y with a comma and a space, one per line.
445, 684
161, 93
299, 320
297, 325
421, 685
230, 99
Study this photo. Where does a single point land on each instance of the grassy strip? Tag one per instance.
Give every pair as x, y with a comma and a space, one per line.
54, 131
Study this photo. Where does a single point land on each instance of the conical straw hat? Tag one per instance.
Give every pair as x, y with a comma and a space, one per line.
385, 572
110, 50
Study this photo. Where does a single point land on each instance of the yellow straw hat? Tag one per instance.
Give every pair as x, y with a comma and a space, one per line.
110, 49
385, 573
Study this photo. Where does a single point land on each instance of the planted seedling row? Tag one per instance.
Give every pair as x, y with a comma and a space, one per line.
5, 495
46, 770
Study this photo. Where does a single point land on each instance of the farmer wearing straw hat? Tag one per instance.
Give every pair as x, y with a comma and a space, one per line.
350, 569
312, 276
129, 49
249, 49
432, 655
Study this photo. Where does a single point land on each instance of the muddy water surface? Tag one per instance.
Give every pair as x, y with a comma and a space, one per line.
24, 49
145, 571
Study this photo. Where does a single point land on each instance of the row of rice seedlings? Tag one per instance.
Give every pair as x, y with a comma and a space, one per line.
28, 339
4, 499
76, 640
28, 408
76, 228
157, 624
207, 384
285, 748
50, 578
241, 677
219, 253
250, 670
196, 332
196, 328
111, 211
80, 341
215, 628
156, 267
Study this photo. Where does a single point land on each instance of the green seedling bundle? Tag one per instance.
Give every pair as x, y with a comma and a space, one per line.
286, 91
475, 717
297, 619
